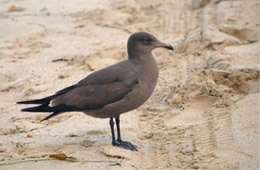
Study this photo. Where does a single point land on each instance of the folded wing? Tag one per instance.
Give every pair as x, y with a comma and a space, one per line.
92, 96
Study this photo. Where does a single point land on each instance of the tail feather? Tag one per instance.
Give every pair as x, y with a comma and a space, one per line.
45, 100
51, 115
45, 108
41, 108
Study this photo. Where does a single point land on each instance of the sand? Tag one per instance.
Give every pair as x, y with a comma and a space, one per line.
204, 113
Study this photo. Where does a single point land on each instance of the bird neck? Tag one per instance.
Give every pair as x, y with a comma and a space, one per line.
138, 56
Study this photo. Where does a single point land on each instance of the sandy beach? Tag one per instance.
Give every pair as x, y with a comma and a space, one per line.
203, 114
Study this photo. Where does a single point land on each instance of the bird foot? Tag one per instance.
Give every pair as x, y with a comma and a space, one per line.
125, 145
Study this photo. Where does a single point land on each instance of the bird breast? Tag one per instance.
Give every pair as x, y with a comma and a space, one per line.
143, 84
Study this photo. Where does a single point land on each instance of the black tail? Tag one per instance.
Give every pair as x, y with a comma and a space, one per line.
51, 115
45, 101
41, 108
56, 110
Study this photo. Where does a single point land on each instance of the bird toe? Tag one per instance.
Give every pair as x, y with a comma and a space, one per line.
125, 145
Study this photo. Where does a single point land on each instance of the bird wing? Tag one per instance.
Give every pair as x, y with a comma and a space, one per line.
106, 75
98, 89
95, 91
92, 96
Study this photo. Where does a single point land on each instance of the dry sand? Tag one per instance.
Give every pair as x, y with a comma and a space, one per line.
204, 113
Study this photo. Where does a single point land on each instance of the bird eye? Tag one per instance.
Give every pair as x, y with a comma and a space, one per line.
148, 40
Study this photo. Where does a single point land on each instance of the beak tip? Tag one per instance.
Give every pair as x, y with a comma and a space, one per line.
169, 47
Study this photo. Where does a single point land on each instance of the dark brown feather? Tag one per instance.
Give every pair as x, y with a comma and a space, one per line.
93, 96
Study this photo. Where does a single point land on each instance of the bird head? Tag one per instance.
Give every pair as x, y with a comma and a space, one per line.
142, 42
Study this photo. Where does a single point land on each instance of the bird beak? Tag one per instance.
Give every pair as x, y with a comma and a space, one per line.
167, 46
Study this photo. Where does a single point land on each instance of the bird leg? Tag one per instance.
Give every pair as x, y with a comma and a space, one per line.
119, 142
118, 129
111, 122
125, 144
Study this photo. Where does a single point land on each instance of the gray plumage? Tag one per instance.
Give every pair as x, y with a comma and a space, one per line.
111, 91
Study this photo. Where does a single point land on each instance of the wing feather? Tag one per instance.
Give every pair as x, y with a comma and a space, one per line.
93, 96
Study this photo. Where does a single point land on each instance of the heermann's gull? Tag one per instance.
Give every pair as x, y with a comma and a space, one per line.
111, 91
